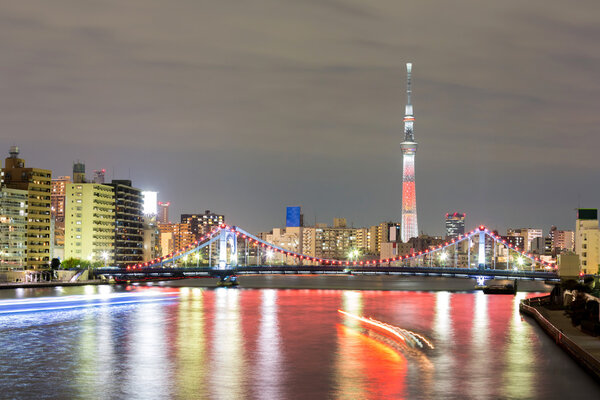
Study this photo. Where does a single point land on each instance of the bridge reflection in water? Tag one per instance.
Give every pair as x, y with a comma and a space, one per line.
228, 343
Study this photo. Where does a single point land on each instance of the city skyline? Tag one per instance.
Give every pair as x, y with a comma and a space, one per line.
290, 115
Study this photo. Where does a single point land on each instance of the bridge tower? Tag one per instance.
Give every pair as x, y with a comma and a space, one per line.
227, 249
410, 228
481, 250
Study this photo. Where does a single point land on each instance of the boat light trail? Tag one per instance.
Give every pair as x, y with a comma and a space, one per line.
394, 330
81, 301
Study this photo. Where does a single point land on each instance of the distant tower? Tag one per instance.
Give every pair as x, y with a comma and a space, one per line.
78, 172
410, 228
163, 212
99, 176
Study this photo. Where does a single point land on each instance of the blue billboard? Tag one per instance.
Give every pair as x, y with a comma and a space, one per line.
292, 216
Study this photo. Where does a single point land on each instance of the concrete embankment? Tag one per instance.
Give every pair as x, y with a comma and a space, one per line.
584, 348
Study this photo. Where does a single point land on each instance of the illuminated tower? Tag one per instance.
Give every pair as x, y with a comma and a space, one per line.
409, 149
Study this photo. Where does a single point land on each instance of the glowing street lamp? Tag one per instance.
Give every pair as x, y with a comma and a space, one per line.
105, 256
353, 255
443, 257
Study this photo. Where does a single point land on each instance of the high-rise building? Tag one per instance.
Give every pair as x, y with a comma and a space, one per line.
78, 172
562, 240
13, 228
293, 216
328, 242
289, 238
37, 183
90, 222
587, 239
129, 237
455, 224
528, 234
202, 223
151, 237
57, 208
517, 241
163, 212
174, 237
410, 227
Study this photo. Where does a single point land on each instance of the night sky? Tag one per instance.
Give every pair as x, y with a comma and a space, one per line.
244, 107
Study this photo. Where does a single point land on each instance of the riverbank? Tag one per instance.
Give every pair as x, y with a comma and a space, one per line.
584, 348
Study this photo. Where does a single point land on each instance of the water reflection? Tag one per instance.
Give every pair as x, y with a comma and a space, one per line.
227, 360
269, 360
519, 375
149, 371
283, 344
442, 332
191, 344
479, 385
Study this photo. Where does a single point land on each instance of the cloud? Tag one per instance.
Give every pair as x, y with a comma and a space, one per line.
212, 103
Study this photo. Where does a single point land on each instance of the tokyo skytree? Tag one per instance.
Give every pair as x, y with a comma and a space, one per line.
409, 149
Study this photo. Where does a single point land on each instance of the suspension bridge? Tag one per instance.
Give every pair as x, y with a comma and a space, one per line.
230, 250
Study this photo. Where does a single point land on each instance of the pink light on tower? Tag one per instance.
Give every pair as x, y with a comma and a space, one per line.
410, 227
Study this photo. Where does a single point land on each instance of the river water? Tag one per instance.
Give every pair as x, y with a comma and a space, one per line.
192, 343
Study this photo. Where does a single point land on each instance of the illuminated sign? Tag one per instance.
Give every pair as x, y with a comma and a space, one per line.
150, 202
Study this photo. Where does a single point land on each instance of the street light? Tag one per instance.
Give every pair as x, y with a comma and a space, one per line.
105, 256
443, 257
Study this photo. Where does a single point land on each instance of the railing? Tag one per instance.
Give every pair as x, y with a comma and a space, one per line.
588, 361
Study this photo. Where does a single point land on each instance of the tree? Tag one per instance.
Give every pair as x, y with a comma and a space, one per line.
72, 263
55, 264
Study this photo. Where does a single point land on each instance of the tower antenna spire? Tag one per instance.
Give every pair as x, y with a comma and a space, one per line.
408, 83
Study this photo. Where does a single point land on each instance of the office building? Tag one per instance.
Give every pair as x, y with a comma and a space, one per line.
90, 222
57, 208
129, 237
294, 217
163, 212
151, 238
202, 223
37, 183
562, 240
528, 234
173, 236
517, 241
13, 229
455, 224
328, 242
587, 239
